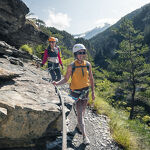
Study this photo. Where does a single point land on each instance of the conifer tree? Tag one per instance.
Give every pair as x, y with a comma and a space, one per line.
130, 62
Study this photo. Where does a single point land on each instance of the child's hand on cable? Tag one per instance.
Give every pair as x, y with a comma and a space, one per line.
54, 83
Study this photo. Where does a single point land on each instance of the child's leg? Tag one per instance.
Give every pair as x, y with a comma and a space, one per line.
52, 73
80, 107
58, 74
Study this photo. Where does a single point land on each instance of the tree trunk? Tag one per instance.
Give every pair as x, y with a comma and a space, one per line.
132, 103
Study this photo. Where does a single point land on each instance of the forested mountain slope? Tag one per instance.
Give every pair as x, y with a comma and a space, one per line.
105, 42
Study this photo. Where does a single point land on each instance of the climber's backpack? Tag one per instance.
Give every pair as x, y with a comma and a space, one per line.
74, 67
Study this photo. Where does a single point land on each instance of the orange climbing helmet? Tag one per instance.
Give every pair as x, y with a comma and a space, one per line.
52, 39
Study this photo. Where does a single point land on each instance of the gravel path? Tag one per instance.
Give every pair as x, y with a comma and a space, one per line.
97, 129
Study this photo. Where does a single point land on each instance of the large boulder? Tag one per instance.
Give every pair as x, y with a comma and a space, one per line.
29, 107
14, 28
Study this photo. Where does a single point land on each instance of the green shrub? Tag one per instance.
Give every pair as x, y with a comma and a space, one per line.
39, 50
146, 118
27, 48
130, 134
65, 52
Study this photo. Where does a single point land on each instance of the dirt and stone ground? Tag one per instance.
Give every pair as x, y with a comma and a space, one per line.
97, 128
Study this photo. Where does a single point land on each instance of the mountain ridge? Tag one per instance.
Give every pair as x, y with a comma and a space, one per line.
91, 33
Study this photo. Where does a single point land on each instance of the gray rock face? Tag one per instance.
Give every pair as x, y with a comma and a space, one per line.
8, 51
29, 107
12, 15
14, 28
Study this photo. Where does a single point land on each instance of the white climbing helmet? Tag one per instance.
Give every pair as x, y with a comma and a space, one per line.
78, 47
56, 40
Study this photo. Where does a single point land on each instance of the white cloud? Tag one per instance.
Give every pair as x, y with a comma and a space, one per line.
101, 22
59, 20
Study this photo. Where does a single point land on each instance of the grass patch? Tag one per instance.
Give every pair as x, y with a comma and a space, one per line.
130, 134
27, 48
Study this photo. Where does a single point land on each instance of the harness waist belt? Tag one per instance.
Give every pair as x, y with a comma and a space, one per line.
53, 59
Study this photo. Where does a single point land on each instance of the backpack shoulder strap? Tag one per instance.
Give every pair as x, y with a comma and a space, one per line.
88, 65
73, 67
56, 50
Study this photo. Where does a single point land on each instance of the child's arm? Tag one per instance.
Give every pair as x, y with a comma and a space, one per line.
66, 77
45, 57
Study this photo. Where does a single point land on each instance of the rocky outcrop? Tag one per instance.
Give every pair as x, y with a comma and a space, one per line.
6, 75
29, 107
14, 28
9, 51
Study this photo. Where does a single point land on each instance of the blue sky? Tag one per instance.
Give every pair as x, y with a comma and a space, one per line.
79, 16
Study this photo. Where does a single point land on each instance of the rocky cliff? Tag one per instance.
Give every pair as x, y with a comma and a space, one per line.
14, 28
29, 107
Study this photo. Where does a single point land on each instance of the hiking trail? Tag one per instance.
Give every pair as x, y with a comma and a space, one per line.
97, 128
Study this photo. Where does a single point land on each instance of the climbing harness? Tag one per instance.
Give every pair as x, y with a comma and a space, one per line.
52, 67
48, 70
82, 95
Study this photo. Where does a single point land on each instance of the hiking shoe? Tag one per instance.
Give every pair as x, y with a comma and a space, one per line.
86, 140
